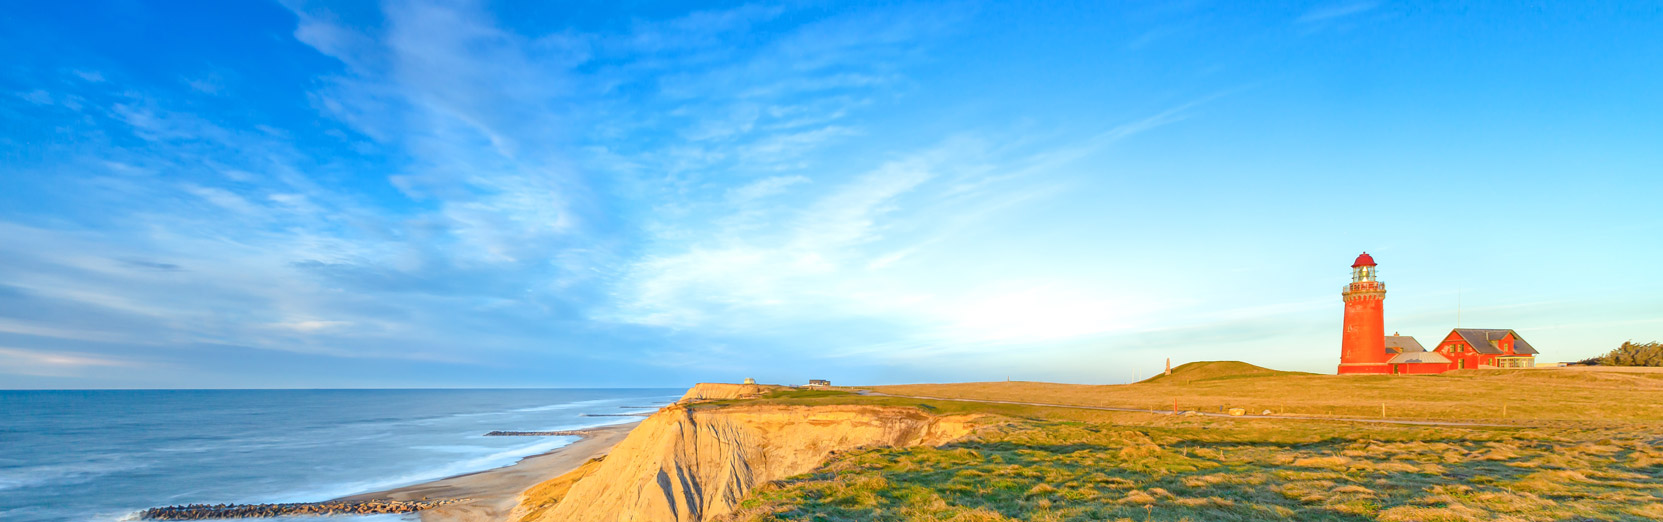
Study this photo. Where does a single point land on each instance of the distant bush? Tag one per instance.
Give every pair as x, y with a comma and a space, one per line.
1632, 354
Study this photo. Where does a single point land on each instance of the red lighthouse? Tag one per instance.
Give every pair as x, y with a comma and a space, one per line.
1363, 349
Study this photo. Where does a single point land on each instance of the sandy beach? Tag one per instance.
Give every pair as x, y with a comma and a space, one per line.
493, 493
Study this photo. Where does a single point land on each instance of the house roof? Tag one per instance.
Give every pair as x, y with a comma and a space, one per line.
1403, 344
1418, 357
1483, 340
1363, 260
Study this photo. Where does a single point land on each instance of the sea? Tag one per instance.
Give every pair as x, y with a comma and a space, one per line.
105, 455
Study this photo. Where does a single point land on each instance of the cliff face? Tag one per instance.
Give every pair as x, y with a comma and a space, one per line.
714, 391
683, 465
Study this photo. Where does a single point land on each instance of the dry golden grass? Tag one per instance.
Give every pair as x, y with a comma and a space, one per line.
549, 492
1528, 395
1430, 514
1036, 463
1599, 456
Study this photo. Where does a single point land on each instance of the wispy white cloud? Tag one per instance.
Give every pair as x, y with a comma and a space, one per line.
310, 325
89, 76
37, 96
222, 198
833, 255
763, 188
17, 361
477, 106
1336, 11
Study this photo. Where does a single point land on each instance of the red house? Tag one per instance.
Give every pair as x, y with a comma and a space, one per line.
1478, 347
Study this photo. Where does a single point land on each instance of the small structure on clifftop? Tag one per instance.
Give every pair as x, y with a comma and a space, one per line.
819, 383
1408, 356
749, 380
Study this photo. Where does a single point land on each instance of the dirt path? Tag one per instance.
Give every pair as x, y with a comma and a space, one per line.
1200, 413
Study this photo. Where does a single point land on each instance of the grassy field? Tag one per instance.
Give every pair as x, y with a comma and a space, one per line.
1596, 455
1486, 395
1234, 470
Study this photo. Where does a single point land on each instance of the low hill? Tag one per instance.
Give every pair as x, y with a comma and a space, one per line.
1216, 370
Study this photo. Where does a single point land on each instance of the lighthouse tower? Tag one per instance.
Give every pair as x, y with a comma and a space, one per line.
1363, 349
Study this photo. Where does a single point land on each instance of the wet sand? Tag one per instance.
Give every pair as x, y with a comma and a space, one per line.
492, 494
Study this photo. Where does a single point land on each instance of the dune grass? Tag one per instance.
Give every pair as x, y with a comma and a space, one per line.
1485, 395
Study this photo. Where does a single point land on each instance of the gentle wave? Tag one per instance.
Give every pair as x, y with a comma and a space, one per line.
493, 460
62, 474
565, 406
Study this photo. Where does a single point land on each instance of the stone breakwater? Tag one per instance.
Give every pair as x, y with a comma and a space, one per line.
218, 511
557, 433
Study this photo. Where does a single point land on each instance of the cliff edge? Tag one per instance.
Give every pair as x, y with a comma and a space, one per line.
688, 465
716, 391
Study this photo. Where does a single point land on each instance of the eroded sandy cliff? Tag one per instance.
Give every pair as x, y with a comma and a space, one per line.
688, 465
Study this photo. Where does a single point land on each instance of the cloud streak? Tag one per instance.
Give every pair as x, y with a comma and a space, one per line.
17, 361
832, 254
1336, 11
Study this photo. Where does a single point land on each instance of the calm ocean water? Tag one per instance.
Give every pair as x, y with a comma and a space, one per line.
101, 455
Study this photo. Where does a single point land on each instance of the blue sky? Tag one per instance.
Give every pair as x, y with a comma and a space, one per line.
454, 193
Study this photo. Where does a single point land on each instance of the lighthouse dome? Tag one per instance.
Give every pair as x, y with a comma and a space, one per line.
1363, 260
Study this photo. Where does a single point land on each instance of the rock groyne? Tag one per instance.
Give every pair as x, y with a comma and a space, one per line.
556, 433
222, 511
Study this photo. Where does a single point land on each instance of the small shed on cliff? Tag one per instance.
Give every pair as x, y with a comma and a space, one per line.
1409, 357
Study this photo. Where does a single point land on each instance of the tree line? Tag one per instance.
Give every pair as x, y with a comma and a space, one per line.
1631, 354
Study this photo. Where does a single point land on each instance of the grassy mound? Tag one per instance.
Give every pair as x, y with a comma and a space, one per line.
1217, 370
